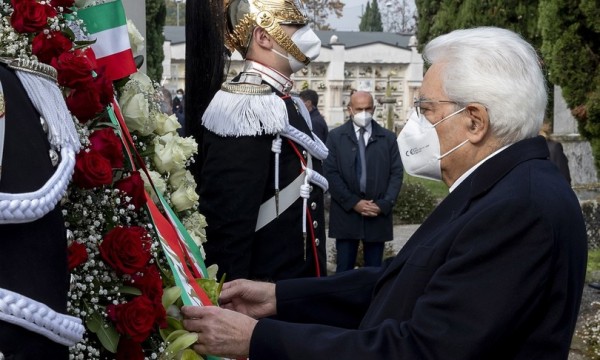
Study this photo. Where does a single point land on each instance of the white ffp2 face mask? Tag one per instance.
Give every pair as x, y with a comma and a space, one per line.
420, 147
362, 118
308, 42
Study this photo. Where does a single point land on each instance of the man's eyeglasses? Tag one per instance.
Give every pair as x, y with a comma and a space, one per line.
417, 103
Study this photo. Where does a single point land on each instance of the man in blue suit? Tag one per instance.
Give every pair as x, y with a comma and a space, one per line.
362, 204
495, 272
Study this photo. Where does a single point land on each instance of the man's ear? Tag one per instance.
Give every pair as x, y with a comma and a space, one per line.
262, 38
479, 122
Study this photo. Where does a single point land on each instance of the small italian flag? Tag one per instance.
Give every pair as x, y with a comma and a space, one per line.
108, 25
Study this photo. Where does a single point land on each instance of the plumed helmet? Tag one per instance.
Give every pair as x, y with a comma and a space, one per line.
242, 16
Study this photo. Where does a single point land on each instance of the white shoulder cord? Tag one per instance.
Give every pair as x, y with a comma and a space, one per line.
39, 318
27, 207
31, 206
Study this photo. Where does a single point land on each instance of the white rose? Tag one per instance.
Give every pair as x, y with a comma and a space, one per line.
136, 113
143, 81
188, 146
168, 154
196, 224
184, 198
177, 178
182, 177
157, 180
135, 38
166, 123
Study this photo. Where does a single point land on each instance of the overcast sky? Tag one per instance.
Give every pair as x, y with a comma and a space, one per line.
353, 9
352, 12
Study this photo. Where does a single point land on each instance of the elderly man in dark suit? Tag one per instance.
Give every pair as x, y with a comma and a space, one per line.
362, 210
495, 272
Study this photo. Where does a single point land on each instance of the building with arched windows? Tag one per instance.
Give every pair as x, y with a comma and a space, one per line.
385, 64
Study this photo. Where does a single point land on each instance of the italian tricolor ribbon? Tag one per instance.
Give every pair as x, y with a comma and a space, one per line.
107, 24
182, 254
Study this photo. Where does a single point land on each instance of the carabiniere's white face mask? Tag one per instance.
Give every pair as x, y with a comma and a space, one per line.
420, 147
308, 42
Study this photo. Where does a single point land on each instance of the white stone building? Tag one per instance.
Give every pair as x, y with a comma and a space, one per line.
386, 64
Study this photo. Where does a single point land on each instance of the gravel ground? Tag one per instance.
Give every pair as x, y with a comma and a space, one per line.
589, 295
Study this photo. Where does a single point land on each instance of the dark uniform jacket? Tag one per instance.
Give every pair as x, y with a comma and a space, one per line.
495, 272
384, 179
33, 256
237, 177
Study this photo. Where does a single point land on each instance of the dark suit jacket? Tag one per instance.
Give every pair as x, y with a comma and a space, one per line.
557, 156
319, 124
384, 179
495, 272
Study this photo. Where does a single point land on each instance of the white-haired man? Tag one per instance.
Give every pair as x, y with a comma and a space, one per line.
495, 272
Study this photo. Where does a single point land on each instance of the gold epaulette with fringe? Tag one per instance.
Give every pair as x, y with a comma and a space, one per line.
34, 67
246, 88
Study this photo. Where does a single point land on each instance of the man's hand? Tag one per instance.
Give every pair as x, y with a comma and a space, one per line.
367, 208
252, 298
220, 332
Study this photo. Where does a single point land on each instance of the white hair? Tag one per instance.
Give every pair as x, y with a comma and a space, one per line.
498, 69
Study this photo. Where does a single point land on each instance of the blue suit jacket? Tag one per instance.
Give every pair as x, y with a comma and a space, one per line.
495, 272
384, 179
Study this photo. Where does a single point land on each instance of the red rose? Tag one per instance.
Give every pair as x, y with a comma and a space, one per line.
30, 16
76, 255
49, 46
129, 350
84, 103
127, 250
92, 170
132, 318
104, 87
133, 186
149, 282
107, 143
74, 68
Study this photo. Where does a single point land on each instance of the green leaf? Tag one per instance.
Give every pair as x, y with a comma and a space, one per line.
130, 290
212, 271
107, 334
170, 295
181, 343
175, 334
189, 354
172, 325
84, 43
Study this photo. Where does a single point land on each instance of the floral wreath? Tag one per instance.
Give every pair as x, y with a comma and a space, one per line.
122, 284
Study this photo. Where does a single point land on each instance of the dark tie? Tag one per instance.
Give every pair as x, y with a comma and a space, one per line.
363, 160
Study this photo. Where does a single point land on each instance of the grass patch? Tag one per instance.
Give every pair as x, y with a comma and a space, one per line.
593, 266
437, 188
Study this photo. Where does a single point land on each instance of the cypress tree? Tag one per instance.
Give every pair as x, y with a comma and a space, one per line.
571, 50
156, 12
364, 19
371, 19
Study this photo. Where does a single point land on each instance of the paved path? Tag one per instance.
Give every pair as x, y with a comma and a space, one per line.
401, 235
